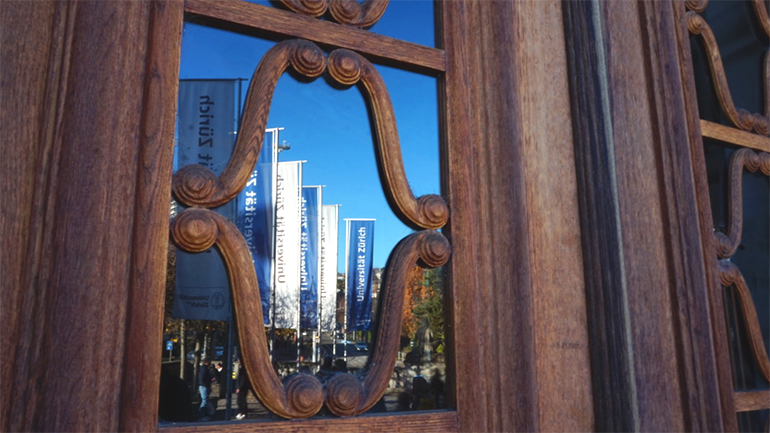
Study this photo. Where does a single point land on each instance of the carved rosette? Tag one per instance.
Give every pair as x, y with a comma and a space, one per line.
740, 118
728, 243
349, 12
198, 228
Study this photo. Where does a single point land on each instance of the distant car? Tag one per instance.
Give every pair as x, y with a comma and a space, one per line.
362, 347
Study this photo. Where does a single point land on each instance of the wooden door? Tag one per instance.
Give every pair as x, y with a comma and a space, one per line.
576, 296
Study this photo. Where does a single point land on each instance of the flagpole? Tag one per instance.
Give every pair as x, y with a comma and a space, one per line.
319, 269
347, 271
274, 150
299, 247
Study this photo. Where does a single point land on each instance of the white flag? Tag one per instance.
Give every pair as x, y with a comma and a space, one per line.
329, 241
288, 215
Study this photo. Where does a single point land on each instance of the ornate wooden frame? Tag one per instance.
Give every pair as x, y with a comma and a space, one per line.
196, 229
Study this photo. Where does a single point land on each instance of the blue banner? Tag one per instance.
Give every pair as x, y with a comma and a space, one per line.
255, 217
207, 118
358, 273
309, 264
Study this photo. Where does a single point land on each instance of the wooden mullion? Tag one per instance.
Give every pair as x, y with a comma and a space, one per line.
438, 421
282, 23
734, 136
747, 401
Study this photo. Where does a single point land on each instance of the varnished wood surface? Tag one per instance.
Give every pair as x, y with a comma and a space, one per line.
521, 358
429, 422
89, 212
141, 370
491, 334
734, 136
287, 23
747, 401
718, 332
77, 75
642, 251
28, 113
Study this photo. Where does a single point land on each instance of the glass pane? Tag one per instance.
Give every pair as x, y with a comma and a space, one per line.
327, 129
408, 20
742, 47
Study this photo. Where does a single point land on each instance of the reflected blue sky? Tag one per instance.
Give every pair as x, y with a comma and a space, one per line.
330, 128
408, 20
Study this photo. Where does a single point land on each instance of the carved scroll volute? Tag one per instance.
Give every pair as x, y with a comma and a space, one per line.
349, 12
429, 211
731, 276
196, 230
696, 5
358, 14
727, 243
739, 117
346, 395
196, 185
312, 8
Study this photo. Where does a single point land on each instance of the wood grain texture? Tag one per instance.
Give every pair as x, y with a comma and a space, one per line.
90, 142
643, 264
747, 401
611, 357
491, 334
30, 81
144, 321
734, 136
560, 325
705, 225
691, 309
289, 24
651, 256
428, 422
518, 332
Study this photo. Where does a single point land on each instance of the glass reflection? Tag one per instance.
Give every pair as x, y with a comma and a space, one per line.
407, 20
320, 135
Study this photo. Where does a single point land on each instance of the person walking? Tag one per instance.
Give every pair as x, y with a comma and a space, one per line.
204, 387
244, 386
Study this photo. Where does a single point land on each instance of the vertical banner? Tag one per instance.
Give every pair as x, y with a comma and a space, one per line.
288, 217
329, 241
206, 129
309, 268
256, 217
358, 273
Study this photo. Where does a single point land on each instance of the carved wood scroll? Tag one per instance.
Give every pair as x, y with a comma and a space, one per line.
349, 12
196, 185
198, 228
728, 243
742, 119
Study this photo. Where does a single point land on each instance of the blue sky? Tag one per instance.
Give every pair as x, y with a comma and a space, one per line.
329, 128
